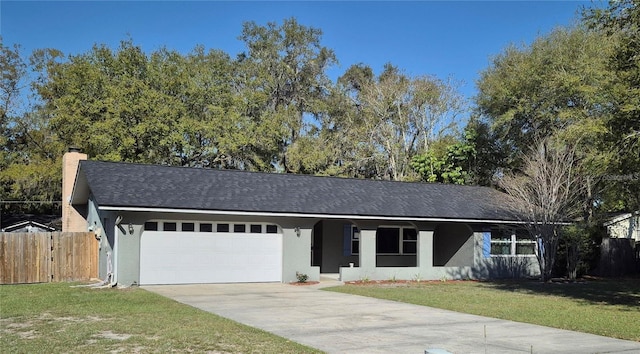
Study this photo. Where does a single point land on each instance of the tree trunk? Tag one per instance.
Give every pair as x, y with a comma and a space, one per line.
573, 253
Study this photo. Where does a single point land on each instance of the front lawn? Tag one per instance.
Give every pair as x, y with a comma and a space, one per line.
55, 318
605, 307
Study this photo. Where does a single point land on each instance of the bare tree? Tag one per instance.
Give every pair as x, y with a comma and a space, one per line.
405, 115
544, 195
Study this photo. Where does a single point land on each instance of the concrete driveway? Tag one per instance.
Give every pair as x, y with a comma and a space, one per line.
341, 323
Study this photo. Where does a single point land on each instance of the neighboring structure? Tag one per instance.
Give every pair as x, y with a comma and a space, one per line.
620, 251
29, 223
176, 225
28, 226
625, 225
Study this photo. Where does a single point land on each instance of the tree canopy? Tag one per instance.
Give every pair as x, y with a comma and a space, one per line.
575, 84
272, 107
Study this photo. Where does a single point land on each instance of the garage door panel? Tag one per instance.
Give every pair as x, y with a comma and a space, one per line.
192, 257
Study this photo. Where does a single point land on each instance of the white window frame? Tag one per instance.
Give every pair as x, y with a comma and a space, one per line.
512, 242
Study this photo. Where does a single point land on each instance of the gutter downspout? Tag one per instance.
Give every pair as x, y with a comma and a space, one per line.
114, 276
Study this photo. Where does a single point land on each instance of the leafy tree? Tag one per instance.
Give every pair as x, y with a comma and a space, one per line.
554, 87
212, 131
394, 117
102, 101
453, 165
33, 176
166, 108
29, 152
549, 87
283, 78
576, 254
620, 24
578, 85
13, 70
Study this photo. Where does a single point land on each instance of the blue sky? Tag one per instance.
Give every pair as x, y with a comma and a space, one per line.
446, 39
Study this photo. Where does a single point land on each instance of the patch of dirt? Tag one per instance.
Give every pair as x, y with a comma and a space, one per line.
20, 325
69, 319
111, 335
139, 349
28, 334
19, 329
49, 317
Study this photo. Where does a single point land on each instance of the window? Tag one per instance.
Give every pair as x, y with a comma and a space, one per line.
272, 229
206, 226
524, 245
500, 242
256, 229
409, 241
355, 240
388, 240
169, 226
509, 242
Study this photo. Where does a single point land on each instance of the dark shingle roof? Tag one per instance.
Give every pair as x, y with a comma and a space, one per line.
153, 186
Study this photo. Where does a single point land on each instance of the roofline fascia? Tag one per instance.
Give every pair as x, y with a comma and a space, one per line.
23, 223
621, 217
304, 215
74, 188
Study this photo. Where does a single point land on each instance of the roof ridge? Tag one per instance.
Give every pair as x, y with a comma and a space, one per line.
294, 175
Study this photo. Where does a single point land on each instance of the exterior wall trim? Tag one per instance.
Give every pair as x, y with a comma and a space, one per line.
304, 215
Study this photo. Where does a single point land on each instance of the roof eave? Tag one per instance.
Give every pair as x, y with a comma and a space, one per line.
306, 215
80, 192
621, 218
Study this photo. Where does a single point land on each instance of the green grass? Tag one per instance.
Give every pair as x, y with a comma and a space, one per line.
56, 318
605, 307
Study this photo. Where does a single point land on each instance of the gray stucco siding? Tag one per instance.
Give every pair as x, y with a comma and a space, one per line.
491, 267
96, 220
454, 253
453, 245
296, 249
333, 255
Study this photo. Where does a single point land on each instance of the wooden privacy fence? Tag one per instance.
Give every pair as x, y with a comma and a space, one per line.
618, 257
47, 257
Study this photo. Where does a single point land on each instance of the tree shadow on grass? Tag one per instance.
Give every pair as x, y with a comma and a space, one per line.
599, 291
514, 275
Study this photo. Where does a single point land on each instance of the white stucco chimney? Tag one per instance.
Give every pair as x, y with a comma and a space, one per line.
72, 221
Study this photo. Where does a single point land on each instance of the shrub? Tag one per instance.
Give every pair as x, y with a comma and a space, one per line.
302, 278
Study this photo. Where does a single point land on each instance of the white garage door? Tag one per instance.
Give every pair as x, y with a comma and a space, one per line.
195, 257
